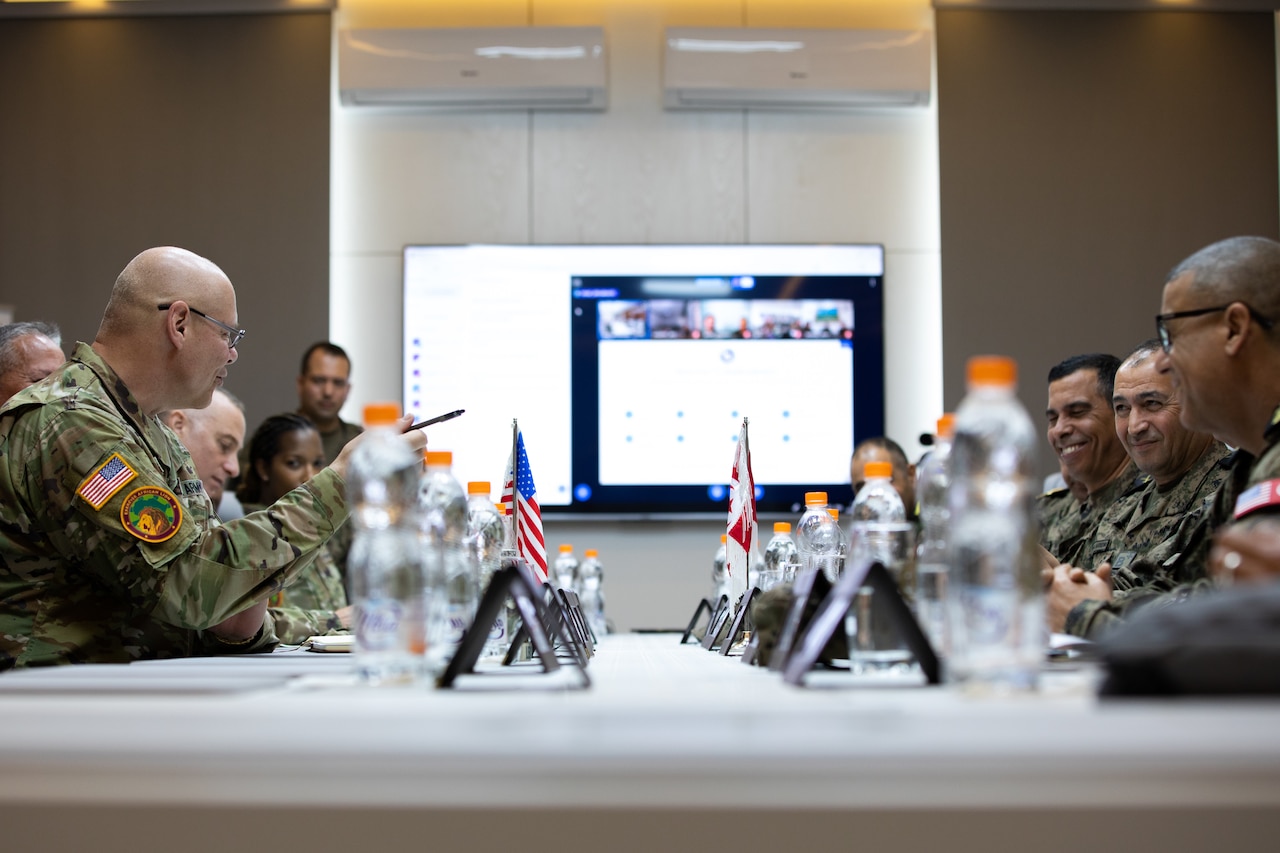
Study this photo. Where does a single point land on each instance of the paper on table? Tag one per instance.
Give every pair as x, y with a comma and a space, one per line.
331, 643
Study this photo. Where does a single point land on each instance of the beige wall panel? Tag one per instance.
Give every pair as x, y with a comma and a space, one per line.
654, 571
816, 177
913, 346
432, 13
365, 320
833, 14
405, 176
637, 174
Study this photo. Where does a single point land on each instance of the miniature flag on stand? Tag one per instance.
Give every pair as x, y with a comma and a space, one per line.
742, 520
520, 497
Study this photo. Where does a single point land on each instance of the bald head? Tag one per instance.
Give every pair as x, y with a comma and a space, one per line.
213, 436
165, 330
1239, 268
158, 276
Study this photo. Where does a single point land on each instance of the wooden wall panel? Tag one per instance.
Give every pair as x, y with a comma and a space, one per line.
1082, 155
207, 132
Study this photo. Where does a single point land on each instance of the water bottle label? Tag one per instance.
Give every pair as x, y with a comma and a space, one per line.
988, 614
378, 624
498, 631
457, 622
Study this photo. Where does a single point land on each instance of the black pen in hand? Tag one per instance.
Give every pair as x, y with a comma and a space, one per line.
437, 419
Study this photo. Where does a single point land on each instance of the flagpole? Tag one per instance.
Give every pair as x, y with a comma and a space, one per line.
746, 443
515, 486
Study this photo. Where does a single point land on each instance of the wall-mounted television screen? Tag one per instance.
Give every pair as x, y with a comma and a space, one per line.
630, 369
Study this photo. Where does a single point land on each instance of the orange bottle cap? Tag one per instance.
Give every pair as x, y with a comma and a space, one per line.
442, 457
877, 469
476, 487
381, 414
815, 498
947, 425
782, 527
992, 370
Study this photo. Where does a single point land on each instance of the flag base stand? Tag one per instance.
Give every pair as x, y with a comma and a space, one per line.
719, 622
828, 620
741, 623
691, 631
543, 623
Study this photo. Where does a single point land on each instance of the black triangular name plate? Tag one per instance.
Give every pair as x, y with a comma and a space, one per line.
830, 617
740, 622
539, 623
704, 606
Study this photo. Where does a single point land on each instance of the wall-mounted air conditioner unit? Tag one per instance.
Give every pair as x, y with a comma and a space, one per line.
736, 68
493, 68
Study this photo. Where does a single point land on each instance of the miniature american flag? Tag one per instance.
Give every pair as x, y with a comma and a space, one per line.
521, 500
1266, 493
103, 483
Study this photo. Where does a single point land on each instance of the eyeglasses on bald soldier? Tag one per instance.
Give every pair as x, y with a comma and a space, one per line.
234, 335
1162, 320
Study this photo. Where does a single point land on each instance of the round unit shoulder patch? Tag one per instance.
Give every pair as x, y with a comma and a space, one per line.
151, 513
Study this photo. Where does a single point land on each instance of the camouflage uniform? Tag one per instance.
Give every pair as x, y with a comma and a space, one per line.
1073, 547
307, 607
333, 442
1059, 513
84, 579
1160, 537
1093, 618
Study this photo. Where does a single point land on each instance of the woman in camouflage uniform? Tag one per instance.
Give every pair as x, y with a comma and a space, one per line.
284, 453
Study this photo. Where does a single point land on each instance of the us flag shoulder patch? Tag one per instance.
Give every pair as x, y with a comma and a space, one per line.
111, 477
1259, 496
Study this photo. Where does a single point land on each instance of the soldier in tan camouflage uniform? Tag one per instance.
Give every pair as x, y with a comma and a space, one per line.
109, 550
1082, 433
1218, 328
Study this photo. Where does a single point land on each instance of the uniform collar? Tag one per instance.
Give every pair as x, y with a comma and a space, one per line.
149, 429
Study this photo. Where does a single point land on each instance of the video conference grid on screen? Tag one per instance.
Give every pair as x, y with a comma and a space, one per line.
630, 368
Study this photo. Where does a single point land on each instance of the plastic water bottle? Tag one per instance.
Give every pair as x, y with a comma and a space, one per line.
591, 592
875, 643
778, 556
819, 542
833, 572
719, 571
933, 482
385, 562
485, 535
442, 505
997, 605
565, 568
877, 500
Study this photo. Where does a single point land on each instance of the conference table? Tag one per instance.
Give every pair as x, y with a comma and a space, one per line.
670, 748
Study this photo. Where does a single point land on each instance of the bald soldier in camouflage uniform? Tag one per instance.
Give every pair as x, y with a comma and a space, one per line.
109, 549
1218, 330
